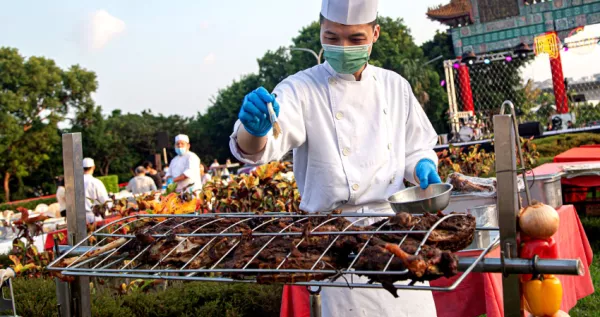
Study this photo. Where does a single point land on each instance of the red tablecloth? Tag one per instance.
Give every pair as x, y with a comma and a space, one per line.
49, 244
481, 293
579, 154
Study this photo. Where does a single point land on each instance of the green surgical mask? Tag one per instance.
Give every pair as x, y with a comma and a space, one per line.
346, 59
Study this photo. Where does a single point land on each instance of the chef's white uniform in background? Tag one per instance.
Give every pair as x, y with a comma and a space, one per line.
95, 193
187, 164
354, 143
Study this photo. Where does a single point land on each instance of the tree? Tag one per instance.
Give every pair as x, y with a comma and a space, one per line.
35, 95
440, 45
120, 142
209, 133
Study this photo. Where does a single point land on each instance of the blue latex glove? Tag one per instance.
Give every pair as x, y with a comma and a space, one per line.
254, 114
426, 173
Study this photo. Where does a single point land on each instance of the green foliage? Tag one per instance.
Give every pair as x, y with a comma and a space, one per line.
29, 204
209, 133
35, 94
37, 297
111, 182
120, 142
441, 44
554, 145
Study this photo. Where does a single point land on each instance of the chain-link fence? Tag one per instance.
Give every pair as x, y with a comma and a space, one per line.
481, 84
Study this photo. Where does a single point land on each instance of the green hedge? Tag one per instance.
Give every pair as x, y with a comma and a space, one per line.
29, 205
37, 297
554, 145
111, 182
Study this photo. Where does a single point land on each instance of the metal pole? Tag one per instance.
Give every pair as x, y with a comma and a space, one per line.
317, 56
433, 60
315, 301
508, 207
76, 220
450, 89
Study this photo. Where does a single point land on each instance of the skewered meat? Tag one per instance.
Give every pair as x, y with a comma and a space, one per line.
464, 185
164, 243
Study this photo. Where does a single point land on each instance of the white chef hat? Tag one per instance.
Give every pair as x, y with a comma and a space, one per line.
350, 12
182, 137
88, 162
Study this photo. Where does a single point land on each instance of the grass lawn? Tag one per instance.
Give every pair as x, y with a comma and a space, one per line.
590, 306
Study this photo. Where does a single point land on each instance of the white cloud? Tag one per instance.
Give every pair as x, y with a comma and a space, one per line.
204, 25
210, 59
101, 28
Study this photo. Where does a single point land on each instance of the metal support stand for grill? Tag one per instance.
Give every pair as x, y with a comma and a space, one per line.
7, 303
505, 139
315, 301
74, 298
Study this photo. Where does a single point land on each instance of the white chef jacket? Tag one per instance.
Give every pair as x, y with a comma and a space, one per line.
95, 190
354, 142
187, 164
60, 198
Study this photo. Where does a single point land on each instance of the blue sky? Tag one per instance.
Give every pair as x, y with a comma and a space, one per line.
170, 56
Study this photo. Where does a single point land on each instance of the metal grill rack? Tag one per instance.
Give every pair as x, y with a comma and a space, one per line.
114, 264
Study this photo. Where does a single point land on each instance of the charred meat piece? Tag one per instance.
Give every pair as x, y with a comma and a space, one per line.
464, 185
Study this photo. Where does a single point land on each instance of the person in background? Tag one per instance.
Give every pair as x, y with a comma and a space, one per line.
95, 191
226, 170
163, 174
549, 126
141, 183
215, 164
570, 124
61, 199
185, 167
152, 173
204, 176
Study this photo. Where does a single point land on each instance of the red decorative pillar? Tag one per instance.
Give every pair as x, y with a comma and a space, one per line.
466, 95
558, 81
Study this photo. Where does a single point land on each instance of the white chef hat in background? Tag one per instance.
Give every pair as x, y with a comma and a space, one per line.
182, 137
88, 162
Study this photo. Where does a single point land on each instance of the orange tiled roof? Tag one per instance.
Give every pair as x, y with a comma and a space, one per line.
455, 9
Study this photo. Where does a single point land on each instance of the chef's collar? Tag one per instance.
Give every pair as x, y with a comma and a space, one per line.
368, 71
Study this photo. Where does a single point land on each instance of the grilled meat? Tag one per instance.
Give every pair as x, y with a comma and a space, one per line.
168, 243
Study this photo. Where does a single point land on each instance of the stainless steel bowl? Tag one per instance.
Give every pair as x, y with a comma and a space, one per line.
415, 200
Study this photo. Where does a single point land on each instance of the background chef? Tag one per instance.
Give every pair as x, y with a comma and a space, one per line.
356, 130
95, 191
185, 167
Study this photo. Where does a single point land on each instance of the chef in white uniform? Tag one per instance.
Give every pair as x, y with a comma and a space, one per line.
185, 167
95, 191
356, 130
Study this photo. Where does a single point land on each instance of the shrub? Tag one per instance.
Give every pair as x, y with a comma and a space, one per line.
111, 182
29, 204
37, 297
554, 145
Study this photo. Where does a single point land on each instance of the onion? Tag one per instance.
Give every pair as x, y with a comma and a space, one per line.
539, 221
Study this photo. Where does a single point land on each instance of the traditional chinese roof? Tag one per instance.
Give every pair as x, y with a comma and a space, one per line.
454, 13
